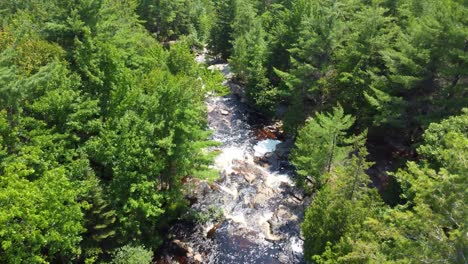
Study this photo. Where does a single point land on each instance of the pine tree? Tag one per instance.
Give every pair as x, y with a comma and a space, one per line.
248, 58
221, 35
422, 80
431, 226
321, 144
340, 208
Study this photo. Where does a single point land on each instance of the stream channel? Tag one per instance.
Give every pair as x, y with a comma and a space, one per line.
261, 208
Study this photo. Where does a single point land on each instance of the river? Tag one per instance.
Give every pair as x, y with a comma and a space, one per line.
258, 207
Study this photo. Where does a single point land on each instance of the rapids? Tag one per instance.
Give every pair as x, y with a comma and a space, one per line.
262, 209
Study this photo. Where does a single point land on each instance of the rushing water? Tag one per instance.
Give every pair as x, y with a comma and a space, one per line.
261, 207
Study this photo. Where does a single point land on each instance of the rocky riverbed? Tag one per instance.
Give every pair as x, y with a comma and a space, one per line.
252, 213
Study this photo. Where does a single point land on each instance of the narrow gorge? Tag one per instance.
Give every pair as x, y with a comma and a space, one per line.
259, 209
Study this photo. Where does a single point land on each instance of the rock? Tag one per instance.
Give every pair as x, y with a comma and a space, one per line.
182, 247
283, 213
237, 90
212, 231
249, 177
282, 258
204, 188
297, 194
223, 68
284, 148
261, 160
217, 67
214, 187
263, 133
224, 112
269, 236
259, 200
198, 258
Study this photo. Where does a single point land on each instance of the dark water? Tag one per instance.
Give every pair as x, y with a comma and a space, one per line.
261, 208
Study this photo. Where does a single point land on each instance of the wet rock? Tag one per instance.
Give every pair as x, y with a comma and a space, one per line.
249, 177
262, 160
284, 148
237, 90
249, 194
214, 187
217, 67
198, 258
246, 169
272, 159
204, 188
182, 247
212, 231
282, 217
282, 258
297, 194
269, 236
263, 133
260, 200
283, 213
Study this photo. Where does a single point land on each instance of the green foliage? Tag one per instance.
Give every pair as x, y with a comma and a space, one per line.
220, 40
98, 126
430, 227
169, 20
40, 218
213, 82
394, 65
132, 255
424, 65
321, 144
341, 206
248, 57
180, 60
213, 214
436, 193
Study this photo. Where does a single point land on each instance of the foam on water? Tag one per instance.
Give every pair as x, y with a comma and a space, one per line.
237, 218
265, 146
274, 180
297, 245
224, 161
260, 222
225, 189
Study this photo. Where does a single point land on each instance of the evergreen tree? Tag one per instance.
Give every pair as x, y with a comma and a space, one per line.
221, 34
341, 207
431, 226
249, 55
98, 125
422, 79
321, 144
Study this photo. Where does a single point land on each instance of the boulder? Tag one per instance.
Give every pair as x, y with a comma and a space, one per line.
249, 177
284, 148
182, 247
269, 236
237, 90
198, 258
282, 258
260, 200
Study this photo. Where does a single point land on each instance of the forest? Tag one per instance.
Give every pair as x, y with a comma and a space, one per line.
103, 119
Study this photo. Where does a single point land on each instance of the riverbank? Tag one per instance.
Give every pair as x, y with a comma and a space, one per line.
252, 213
